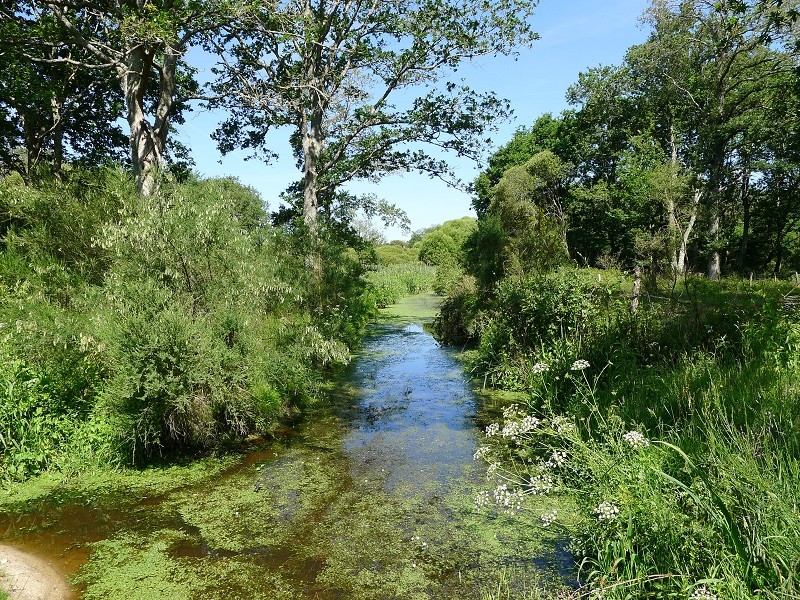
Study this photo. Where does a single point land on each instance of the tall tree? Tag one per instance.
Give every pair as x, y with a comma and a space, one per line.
140, 42
333, 71
54, 111
719, 57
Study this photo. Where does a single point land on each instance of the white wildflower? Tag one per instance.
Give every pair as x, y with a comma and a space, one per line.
507, 499
481, 452
511, 412
540, 485
549, 518
703, 593
483, 499
636, 439
556, 460
492, 429
540, 368
510, 430
491, 469
606, 511
579, 365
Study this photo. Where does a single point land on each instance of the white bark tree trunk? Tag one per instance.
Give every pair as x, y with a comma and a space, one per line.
714, 259
147, 140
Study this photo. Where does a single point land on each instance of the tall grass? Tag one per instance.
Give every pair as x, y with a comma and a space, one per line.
679, 440
388, 283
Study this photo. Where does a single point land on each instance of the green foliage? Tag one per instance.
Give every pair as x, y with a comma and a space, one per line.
545, 134
388, 284
442, 245
457, 322
354, 130
522, 229
134, 327
396, 253
677, 433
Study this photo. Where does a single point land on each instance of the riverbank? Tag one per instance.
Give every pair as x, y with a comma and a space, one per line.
27, 577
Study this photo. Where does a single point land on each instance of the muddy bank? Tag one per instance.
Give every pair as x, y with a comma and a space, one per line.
27, 577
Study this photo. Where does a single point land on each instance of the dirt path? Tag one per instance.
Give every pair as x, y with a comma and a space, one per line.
26, 577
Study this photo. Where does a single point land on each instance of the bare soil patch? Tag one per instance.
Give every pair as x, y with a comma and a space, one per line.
27, 577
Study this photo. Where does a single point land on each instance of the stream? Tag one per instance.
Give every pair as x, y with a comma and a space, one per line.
370, 498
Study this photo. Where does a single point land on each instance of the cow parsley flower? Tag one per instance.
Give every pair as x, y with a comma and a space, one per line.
492, 429
483, 499
540, 368
529, 423
636, 439
481, 452
606, 511
510, 430
556, 460
703, 593
507, 499
549, 518
540, 485
579, 365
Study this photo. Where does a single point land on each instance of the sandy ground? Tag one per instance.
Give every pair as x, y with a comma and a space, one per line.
26, 577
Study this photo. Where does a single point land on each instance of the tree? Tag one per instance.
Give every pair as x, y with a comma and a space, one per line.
332, 70
54, 110
719, 58
442, 245
141, 42
547, 133
528, 205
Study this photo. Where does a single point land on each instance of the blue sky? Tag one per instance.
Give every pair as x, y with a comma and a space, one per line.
575, 35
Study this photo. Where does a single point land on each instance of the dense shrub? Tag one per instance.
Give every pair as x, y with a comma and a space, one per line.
441, 245
132, 327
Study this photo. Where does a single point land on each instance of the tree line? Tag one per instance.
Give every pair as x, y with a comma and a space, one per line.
361, 84
685, 156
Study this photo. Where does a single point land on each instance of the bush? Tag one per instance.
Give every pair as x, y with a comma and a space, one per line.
675, 429
133, 327
459, 314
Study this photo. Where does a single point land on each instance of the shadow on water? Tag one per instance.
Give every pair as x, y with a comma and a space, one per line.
370, 498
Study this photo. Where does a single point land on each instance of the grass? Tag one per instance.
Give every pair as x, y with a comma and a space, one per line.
707, 504
389, 283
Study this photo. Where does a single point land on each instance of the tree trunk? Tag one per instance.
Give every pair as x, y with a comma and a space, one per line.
672, 217
312, 149
715, 215
35, 132
714, 259
637, 289
687, 234
745, 219
147, 141
58, 135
